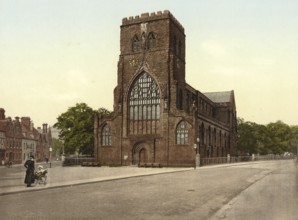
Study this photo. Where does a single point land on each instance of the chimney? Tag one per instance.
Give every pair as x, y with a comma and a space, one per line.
26, 121
2, 114
31, 125
45, 128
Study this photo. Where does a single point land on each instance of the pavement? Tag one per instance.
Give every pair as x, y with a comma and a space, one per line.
12, 181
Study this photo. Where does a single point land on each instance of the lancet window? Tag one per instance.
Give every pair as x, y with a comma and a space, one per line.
136, 44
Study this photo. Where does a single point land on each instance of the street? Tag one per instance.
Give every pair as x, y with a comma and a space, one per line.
272, 198
205, 193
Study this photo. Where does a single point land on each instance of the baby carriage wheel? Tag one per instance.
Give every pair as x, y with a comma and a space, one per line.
45, 180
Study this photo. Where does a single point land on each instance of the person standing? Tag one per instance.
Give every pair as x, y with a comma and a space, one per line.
29, 178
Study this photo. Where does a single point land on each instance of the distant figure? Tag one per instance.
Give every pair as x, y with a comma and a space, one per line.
47, 160
29, 178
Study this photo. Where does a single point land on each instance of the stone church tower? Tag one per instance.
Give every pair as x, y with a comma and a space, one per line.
157, 117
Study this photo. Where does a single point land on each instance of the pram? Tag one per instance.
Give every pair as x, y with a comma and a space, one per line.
40, 176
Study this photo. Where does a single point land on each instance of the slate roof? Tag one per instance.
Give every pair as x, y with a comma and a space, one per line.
220, 97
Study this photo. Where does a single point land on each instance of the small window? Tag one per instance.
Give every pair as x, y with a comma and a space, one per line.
106, 136
182, 133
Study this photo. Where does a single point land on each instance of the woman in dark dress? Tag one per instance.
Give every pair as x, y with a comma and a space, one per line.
29, 178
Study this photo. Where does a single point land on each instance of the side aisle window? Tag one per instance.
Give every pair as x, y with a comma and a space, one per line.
182, 133
106, 136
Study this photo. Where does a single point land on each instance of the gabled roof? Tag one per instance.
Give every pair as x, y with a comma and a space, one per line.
220, 97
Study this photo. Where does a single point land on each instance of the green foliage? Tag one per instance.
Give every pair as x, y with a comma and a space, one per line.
76, 127
275, 138
280, 136
57, 146
293, 145
246, 136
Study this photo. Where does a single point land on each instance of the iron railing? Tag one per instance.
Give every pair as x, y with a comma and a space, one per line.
73, 161
223, 160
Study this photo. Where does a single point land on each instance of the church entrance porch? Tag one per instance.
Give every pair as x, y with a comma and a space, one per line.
141, 154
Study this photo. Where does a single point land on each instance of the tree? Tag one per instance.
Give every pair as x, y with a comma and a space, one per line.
57, 146
76, 127
262, 140
275, 138
279, 133
246, 136
293, 145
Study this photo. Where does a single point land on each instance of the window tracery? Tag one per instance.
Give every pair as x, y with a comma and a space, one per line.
144, 105
106, 136
182, 133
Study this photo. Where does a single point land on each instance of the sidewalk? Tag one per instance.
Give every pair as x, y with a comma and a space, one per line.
58, 176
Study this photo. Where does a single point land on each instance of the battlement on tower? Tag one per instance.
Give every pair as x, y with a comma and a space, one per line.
166, 14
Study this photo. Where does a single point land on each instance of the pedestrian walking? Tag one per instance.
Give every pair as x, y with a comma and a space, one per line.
29, 178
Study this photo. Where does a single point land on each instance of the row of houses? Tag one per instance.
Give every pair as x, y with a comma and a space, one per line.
19, 139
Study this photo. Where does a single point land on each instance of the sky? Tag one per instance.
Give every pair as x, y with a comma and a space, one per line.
56, 53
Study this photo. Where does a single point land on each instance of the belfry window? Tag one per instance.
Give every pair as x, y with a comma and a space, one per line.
182, 133
106, 136
144, 105
136, 43
151, 40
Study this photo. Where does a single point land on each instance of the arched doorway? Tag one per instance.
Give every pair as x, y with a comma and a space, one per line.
143, 156
140, 154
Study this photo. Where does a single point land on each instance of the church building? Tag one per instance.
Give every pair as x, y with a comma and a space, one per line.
158, 117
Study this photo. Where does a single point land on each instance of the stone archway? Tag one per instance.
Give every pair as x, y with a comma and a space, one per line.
140, 154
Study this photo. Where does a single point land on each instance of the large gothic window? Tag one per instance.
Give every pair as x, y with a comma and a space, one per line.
106, 136
182, 133
144, 105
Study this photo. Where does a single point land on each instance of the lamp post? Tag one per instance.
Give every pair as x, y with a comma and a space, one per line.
196, 139
195, 160
198, 153
50, 149
297, 153
196, 146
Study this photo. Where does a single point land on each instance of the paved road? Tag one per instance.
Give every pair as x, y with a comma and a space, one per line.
272, 198
192, 194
